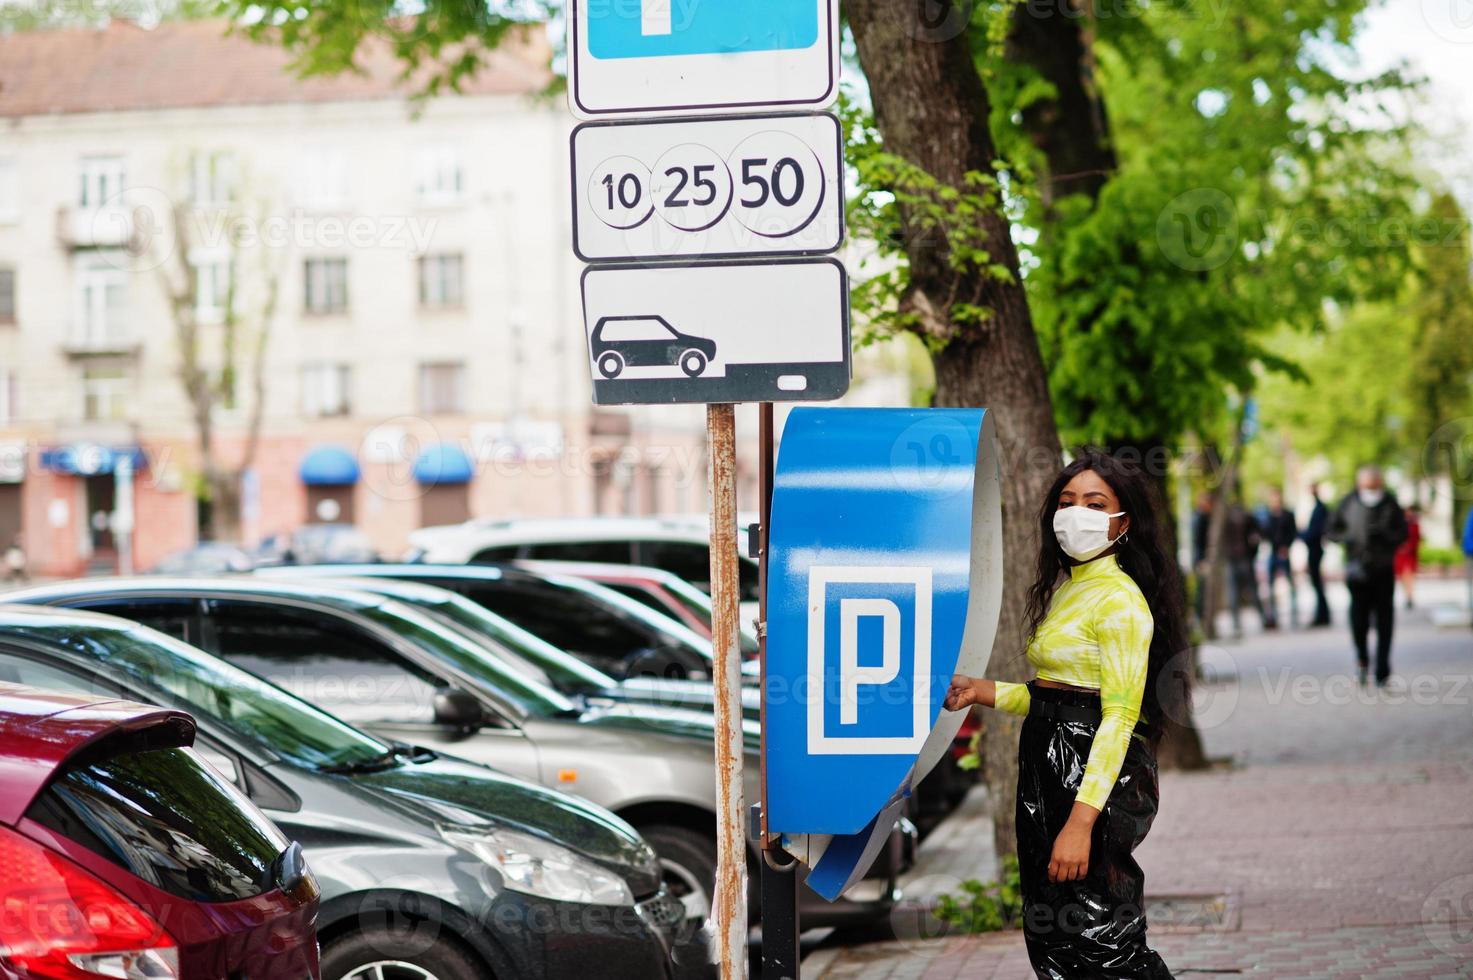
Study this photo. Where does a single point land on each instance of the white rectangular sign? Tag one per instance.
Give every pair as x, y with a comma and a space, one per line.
708, 187
717, 332
664, 57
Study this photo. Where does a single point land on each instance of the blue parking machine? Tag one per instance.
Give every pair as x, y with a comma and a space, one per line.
884, 579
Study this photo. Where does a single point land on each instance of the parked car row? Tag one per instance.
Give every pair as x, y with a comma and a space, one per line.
427, 866
492, 769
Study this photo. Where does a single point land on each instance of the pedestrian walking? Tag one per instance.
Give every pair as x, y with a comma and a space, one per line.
1370, 524
1280, 531
1406, 562
1314, 543
1241, 538
1105, 615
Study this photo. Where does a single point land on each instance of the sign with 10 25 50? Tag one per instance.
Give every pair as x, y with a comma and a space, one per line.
706, 230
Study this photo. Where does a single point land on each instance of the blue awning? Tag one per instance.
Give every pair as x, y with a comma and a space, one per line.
443, 462
89, 459
328, 466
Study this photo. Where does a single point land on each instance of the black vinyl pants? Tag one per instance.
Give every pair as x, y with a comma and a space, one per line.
1095, 928
1374, 597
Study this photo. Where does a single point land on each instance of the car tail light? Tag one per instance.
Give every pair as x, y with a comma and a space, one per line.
58, 922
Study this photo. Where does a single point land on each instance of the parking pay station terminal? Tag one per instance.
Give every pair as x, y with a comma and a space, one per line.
884, 580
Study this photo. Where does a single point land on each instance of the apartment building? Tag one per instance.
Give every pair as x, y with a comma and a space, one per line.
393, 277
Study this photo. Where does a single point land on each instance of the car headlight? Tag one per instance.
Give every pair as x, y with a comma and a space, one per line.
538, 867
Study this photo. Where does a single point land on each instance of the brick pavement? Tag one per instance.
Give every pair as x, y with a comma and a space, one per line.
1337, 832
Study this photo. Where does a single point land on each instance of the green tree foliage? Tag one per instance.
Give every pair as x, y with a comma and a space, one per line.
1349, 405
1440, 371
440, 43
1256, 186
1388, 382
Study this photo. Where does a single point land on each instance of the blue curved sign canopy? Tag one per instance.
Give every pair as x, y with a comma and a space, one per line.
328, 466
884, 579
443, 463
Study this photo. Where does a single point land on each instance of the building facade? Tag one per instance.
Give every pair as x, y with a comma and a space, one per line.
391, 279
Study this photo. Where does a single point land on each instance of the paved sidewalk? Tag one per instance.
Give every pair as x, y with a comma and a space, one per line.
1334, 839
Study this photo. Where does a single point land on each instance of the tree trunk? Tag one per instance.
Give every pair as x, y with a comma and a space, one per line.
224, 490
931, 109
1071, 128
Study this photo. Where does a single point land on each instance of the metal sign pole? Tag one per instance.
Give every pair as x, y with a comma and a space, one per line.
781, 957
731, 855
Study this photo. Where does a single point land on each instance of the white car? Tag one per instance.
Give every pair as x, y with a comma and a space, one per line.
679, 545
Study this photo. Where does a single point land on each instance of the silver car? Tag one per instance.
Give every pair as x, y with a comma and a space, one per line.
407, 675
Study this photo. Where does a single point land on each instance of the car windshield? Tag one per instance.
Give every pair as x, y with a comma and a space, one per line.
471, 658
536, 657
212, 688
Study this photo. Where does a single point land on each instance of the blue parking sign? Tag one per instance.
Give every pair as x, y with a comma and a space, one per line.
657, 28
884, 579
643, 58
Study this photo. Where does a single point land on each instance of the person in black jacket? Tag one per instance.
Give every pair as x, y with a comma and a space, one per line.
1314, 541
1280, 531
1371, 526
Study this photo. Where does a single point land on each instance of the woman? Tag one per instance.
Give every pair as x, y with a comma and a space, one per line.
1104, 616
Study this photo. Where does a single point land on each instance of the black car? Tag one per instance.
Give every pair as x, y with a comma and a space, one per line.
431, 868
647, 341
618, 635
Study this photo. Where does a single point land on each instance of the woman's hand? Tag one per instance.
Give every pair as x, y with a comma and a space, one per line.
962, 693
1070, 860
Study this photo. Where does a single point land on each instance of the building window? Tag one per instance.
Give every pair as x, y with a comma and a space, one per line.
9, 192
441, 284
101, 182
104, 393
101, 307
212, 179
325, 390
322, 183
211, 289
326, 285
438, 177
442, 389
9, 397
7, 295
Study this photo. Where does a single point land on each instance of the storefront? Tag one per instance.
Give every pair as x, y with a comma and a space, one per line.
330, 474
12, 479
443, 472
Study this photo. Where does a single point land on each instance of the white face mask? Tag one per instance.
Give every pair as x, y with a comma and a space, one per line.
1370, 497
1083, 533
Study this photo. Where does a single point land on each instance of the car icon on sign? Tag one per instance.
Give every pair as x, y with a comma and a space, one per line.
647, 341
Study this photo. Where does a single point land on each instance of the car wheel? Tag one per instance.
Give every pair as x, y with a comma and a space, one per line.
688, 862
384, 954
610, 364
693, 362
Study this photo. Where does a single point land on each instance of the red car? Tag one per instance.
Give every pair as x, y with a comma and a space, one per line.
123, 854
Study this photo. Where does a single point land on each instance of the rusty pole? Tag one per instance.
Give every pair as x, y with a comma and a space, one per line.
730, 900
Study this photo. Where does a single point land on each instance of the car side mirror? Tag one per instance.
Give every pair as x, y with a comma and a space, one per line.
459, 709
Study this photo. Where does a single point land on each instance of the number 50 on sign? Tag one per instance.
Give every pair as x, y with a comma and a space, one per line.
708, 187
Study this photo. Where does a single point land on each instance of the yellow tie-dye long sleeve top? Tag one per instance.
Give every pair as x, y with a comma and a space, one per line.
1097, 635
